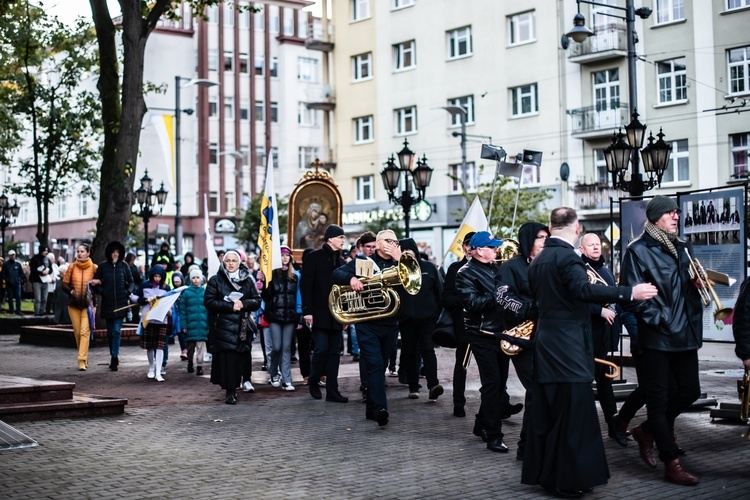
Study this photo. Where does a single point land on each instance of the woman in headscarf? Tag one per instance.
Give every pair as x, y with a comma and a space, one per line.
75, 284
230, 297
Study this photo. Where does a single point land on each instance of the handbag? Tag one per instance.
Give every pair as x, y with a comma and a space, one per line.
444, 335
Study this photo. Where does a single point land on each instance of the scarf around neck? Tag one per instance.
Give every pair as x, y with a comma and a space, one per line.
666, 238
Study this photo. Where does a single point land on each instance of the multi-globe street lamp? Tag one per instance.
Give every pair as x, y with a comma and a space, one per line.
150, 203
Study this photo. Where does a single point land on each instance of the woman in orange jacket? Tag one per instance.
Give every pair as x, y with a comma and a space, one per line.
75, 284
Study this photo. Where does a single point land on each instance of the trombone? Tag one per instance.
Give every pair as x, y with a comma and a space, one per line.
706, 291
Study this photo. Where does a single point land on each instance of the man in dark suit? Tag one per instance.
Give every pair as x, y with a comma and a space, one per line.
564, 449
316, 285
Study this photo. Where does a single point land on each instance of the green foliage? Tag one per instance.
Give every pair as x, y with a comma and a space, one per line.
44, 63
530, 204
249, 224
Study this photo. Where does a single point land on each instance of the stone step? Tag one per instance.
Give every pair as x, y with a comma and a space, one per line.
28, 390
81, 405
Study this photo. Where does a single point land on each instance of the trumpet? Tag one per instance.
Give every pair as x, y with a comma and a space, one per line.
378, 299
706, 291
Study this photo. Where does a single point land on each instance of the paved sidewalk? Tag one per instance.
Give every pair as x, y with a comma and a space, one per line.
178, 440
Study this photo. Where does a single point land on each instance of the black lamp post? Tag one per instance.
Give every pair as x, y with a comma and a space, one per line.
150, 203
620, 153
8, 214
420, 177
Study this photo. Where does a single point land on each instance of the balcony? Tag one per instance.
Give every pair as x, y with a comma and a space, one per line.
322, 98
317, 39
594, 196
610, 42
593, 122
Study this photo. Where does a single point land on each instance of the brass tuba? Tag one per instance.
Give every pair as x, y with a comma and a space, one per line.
706, 291
378, 299
509, 249
523, 330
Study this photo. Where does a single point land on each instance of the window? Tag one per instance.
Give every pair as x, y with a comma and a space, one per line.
275, 156
306, 117
405, 55
307, 69
740, 151
260, 155
739, 70
260, 65
600, 167
524, 100
274, 112
362, 67
245, 151
244, 63
213, 105
229, 201
229, 15
213, 14
273, 25
737, 4
672, 81
363, 130
244, 17
213, 153
288, 22
274, 67
606, 90
459, 43
213, 60
302, 25
213, 202
668, 11
360, 9
229, 108
228, 60
23, 213
400, 4
522, 28
406, 120
459, 177
260, 22
83, 205
466, 102
364, 189
62, 208
259, 111
678, 168
307, 155
244, 110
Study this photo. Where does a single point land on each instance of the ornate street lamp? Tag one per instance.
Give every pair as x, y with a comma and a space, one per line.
420, 177
8, 214
150, 203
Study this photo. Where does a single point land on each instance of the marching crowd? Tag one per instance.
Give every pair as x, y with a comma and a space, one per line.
557, 284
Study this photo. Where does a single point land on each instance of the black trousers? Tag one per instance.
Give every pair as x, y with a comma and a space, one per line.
665, 404
459, 376
493, 374
602, 344
325, 358
303, 346
523, 363
416, 336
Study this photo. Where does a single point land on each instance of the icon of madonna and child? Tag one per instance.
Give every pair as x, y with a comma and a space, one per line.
310, 230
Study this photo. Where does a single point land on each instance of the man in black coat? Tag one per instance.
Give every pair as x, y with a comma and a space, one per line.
514, 297
670, 332
451, 301
14, 278
40, 276
564, 449
475, 283
164, 257
316, 284
418, 316
741, 324
114, 282
376, 337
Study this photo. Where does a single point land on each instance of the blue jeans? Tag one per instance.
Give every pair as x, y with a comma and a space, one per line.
14, 293
375, 344
355, 343
114, 325
281, 350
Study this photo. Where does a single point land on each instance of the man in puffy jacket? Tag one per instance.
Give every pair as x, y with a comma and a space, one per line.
670, 332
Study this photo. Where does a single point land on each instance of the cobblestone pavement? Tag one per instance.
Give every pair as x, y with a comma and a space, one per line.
178, 440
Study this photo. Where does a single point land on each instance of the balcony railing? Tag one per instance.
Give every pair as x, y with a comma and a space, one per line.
317, 39
609, 38
321, 97
594, 119
594, 196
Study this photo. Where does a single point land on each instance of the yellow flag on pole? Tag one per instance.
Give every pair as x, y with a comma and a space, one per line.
269, 242
475, 220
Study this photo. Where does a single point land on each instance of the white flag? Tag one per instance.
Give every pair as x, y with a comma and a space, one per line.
475, 220
213, 259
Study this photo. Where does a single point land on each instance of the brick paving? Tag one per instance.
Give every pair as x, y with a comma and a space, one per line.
178, 440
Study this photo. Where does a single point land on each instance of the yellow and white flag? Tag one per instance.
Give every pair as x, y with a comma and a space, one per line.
475, 220
213, 258
268, 234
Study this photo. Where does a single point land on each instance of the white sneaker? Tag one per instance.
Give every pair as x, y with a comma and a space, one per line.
286, 386
247, 386
150, 373
276, 381
159, 378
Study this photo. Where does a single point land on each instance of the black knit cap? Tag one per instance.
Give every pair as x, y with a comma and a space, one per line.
409, 244
333, 231
468, 236
658, 206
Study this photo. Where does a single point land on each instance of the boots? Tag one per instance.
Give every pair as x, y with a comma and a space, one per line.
674, 473
81, 365
113, 363
645, 446
159, 360
190, 366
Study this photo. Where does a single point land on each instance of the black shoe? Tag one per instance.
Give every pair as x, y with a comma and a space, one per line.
435, 392
479, 431
315, 391
564, 493
458, 411
199, 371
294, 358
113, 363
497, 445
336, 397
355, 358
264, 367
511, 410
231, 399
190, 367
617, 432
382, 417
